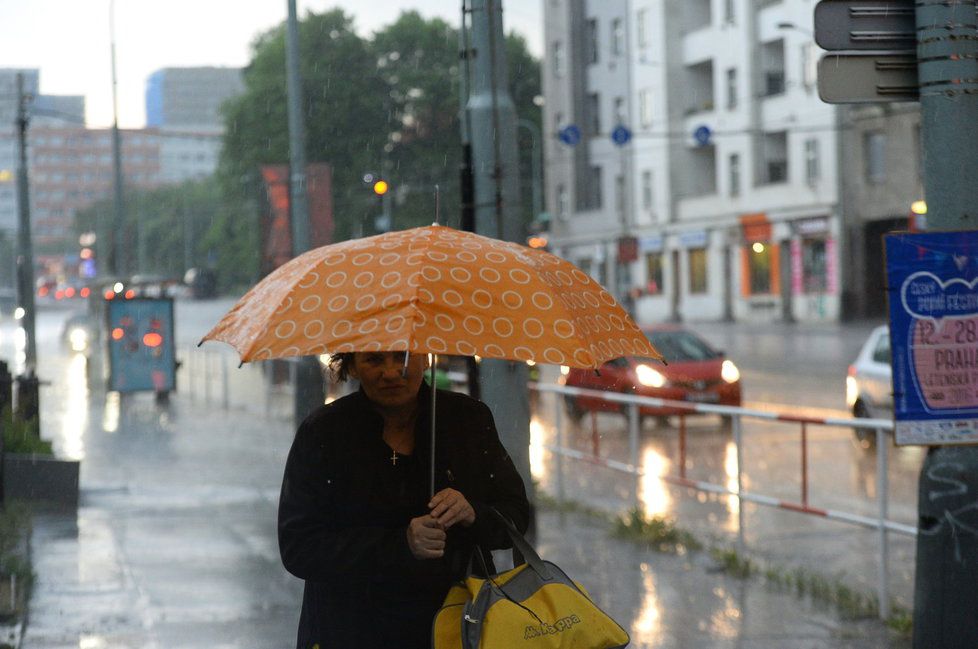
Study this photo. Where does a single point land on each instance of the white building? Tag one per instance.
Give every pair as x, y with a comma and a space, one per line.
724, 201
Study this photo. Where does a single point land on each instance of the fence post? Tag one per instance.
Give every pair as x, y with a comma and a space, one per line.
207, 377
633, 426
804, 464
739, 442
882, 496
191, 355
682, 445
559, 439
224, 382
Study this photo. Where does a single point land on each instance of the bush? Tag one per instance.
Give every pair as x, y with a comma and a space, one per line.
21, 437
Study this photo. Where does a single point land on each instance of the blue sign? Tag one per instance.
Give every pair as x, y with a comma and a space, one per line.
569, 135
621, 135
141, 345
702, 135
933, 286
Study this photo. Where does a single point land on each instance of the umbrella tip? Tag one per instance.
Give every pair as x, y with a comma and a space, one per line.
201, 342
240, 364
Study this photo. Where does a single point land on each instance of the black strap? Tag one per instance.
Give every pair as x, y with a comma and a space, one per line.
522, 546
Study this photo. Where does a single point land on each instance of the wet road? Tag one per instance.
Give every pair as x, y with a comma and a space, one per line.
174, 543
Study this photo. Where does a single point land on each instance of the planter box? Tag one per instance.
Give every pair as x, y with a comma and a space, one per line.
40, 479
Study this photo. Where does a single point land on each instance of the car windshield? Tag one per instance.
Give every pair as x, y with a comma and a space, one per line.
681, 346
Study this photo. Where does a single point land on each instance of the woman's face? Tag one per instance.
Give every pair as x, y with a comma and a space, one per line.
382, 376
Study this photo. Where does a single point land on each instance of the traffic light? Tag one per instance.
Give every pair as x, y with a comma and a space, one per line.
381, 187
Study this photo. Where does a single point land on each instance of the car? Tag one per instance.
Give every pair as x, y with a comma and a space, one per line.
78, 333
869, 382
695, 373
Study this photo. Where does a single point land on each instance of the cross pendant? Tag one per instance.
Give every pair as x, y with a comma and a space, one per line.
394, 458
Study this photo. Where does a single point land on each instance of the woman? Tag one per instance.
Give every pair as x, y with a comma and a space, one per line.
356, 520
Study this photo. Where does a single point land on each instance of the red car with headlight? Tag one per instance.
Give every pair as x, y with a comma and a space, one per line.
696, 373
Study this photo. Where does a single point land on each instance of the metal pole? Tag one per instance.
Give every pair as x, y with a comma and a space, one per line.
433, 360
945, 599
633, 432
492, 120
739, 443
682, 445
559, 439
882, 498
309, 391
536, 163
804, 464
115, 229
225, 396
25, 243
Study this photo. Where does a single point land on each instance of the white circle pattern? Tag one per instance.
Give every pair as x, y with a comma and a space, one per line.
436, 290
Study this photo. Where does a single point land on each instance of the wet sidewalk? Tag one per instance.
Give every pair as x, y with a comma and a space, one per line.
174, 546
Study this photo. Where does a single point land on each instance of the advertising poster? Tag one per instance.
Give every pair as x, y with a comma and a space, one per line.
932, 279
141, 345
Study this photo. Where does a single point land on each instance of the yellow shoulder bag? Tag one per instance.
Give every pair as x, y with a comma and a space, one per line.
534, 606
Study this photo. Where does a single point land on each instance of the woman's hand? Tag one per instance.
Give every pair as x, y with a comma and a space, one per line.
449, 507
426, 537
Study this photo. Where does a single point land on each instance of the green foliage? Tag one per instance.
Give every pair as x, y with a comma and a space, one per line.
901, 621
660, 533
157, 221
387, 105
21, 436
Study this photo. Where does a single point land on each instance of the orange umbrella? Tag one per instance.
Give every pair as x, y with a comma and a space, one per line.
432, 290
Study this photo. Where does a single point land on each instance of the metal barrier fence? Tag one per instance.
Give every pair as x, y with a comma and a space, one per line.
736, 415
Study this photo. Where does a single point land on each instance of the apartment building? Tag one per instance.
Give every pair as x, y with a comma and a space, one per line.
724, 202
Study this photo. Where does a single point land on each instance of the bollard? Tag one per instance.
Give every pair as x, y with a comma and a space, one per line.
634, 423
739, 441
6, 386
28, 399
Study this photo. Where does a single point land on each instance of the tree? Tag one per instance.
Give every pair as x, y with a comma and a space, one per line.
387, 106
165, 227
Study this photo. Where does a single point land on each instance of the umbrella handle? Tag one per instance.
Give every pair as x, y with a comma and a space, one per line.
433, 360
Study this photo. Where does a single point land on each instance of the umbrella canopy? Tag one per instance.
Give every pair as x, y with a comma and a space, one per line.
432, 290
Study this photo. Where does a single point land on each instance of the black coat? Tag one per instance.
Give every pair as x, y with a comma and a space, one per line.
344, 511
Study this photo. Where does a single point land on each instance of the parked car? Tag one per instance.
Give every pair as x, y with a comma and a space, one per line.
696, 372
869, 382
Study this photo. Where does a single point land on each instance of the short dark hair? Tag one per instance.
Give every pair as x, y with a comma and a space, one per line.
340, 364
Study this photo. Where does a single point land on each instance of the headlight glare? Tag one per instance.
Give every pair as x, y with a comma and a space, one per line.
729, 372
649, 377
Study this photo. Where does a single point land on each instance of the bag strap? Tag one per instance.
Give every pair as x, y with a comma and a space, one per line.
522, 546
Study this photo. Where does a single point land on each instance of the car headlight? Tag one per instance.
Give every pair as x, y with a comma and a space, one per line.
852, 391
650, 377
78, 339
729, 372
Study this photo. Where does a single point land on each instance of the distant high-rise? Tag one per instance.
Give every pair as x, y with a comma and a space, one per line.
190, 98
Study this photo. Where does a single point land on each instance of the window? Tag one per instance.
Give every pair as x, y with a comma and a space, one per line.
734, 166
813, 265
642, 28
647, 190
592, 41
653, 273
620, 196
594, 113
775, 158
620, 117
875, 147
772, 56
728, 12
645, 107
595, 202
812, 171
697, 270
731, 88
562, 203
759, 268
617, 37
881, 353
557, 58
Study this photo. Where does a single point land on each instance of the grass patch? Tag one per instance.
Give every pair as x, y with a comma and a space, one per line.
901, 621
660, 533
22, 436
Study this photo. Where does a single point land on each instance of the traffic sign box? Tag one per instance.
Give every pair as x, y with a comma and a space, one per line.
865, 25
867, 78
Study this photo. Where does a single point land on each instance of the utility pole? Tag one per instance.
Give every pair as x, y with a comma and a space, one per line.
114, 245
308, 376
25, 244
491, 127
945, 597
